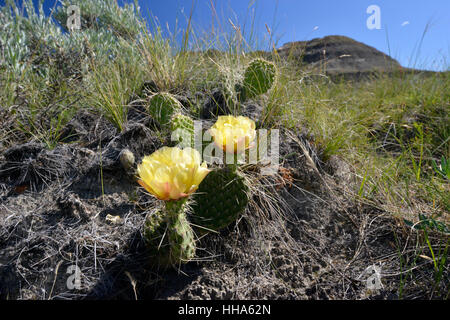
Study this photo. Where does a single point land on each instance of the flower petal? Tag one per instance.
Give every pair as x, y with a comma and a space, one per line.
171, 173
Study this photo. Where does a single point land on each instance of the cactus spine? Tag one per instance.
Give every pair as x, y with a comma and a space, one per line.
169, 234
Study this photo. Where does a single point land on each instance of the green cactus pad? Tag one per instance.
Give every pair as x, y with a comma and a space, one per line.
162, 106
157, 242
258, 79
181, 239
219, 200
182, 128
169, 238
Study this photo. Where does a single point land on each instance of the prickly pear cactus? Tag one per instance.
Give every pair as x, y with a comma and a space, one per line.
162, 106
154, 230
169, 236
220, 199
258, 79
182, 128
181, 239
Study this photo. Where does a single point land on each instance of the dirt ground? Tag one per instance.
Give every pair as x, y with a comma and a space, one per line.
302, 236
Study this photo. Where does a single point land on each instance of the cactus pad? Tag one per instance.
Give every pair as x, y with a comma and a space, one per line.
155, 238
181, 239
182, 128
220, 199
169, 238
162, 106
258, 78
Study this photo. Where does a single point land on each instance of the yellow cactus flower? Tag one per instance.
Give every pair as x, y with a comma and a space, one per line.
229, 132
172, 173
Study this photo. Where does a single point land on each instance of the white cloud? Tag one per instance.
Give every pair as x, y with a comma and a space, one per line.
405, 23
315, 28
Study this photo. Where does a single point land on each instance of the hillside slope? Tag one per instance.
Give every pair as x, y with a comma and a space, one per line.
337, 55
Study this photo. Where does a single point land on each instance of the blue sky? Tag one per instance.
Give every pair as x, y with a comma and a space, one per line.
402, 22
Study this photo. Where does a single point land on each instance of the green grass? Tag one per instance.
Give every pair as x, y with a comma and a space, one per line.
114, 83
391, 129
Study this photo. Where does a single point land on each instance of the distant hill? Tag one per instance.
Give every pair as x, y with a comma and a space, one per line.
339, 55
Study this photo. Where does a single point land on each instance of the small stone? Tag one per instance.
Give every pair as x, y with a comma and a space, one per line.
127, 159
113, 219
